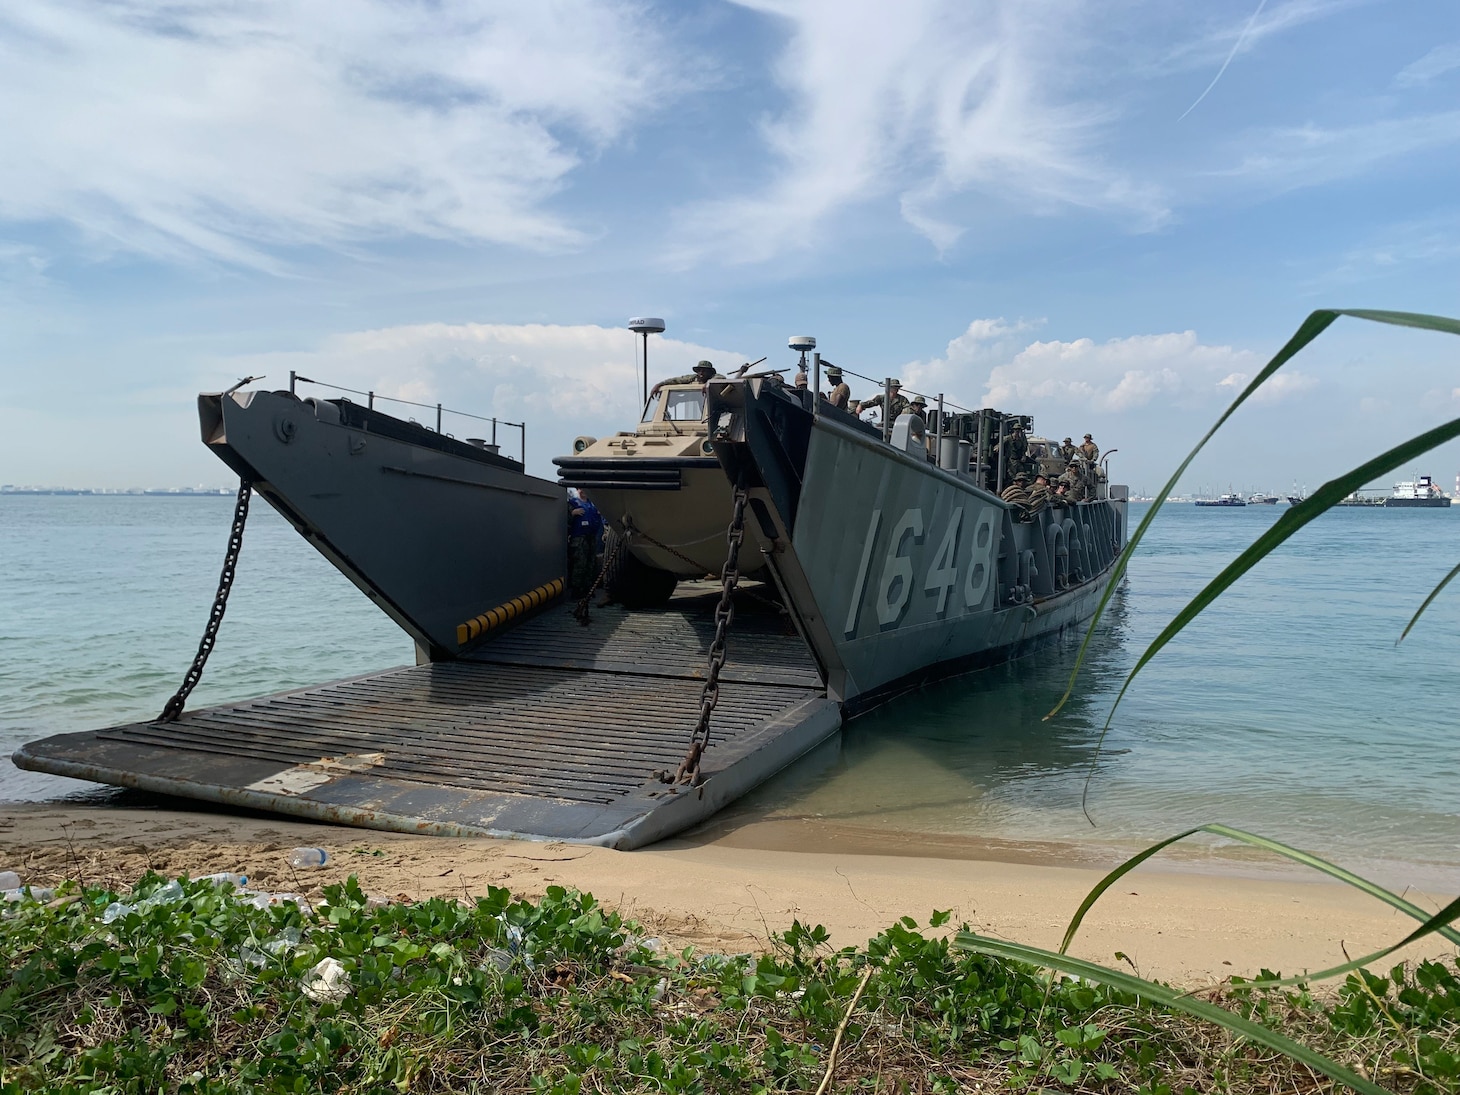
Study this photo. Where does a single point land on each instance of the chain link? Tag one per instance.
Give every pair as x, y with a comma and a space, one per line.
580, 611
689, 767
194, 674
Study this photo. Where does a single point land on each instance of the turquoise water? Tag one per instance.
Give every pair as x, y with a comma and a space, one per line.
1286, 708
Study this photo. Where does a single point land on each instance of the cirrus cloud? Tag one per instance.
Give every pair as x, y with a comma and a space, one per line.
225, 130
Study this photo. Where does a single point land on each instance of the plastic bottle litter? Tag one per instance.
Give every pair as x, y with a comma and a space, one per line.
35, 893
238, 880
308, 857
9, 880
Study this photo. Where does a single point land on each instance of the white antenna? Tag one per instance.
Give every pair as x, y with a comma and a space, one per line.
804, 344
645, 326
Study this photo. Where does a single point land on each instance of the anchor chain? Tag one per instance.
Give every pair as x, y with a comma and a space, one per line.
194, 674
689, 767
580, 611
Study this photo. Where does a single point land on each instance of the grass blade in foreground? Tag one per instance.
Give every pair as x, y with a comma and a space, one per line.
1318, 503
1439, 922
1316, 323
1167, 997
1421, 610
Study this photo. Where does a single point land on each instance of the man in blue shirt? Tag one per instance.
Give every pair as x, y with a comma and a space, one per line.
585, 540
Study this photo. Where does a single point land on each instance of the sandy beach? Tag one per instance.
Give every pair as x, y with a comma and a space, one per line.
730, 891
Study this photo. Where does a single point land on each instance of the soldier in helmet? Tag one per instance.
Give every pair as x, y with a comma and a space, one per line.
1089, 450
1067, 450
919, 407
841, 394
704, 372
896, 405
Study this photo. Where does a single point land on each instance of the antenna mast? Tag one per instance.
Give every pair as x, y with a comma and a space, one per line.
645, 326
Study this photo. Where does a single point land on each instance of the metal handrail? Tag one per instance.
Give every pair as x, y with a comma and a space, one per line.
371, 397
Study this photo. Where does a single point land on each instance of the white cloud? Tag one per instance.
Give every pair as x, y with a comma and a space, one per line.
561, 380
1309, 155
927, 100
1437, 62
224, 129
1120, 374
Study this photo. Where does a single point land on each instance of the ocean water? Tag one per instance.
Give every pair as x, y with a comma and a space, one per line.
1286, 708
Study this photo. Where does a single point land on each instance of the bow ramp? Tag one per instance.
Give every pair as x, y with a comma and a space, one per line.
551, 730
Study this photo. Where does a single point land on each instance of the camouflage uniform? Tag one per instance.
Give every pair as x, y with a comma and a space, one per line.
687, 378
895, 409
1067, 450
1089, 450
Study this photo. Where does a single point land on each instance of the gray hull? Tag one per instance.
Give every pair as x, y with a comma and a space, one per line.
434, 531
896, 570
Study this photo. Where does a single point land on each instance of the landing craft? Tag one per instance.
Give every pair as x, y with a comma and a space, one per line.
890, 548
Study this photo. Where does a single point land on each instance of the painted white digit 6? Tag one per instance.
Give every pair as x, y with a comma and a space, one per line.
897, 569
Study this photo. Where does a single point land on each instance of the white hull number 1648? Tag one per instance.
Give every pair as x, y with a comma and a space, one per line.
894, 588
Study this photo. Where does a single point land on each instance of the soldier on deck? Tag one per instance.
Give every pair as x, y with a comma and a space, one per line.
802, 381
919, 407
841, 394
1016, 447
703, 373
1089, 450
1067, 450
896, 405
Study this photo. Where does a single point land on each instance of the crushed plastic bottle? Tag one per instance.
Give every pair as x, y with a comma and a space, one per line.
238, 881
163, 895
39, 894
308, 857
497, 959
9, 880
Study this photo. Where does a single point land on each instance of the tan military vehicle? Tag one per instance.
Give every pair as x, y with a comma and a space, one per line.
660, 487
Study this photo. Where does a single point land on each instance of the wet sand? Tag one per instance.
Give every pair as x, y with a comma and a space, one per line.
729, 889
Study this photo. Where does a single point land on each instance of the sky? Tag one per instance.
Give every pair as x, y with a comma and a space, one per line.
1107, 215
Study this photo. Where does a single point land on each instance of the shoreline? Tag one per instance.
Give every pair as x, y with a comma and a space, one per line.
730, 891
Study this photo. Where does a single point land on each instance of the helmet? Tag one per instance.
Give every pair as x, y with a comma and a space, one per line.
704, 366
918, 401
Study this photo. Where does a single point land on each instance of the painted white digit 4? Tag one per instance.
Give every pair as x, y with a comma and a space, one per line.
943, 575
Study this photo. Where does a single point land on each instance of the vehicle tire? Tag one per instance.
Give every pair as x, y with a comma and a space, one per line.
638, 585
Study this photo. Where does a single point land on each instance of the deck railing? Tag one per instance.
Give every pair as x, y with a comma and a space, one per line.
371, 397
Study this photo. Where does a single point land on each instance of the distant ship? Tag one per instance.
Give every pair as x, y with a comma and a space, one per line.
1224, 500
1262, 500
1417, 493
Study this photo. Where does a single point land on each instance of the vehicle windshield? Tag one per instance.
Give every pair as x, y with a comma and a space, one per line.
651, 408
685, 406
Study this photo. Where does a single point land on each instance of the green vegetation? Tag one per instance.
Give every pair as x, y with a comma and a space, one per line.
187, 987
